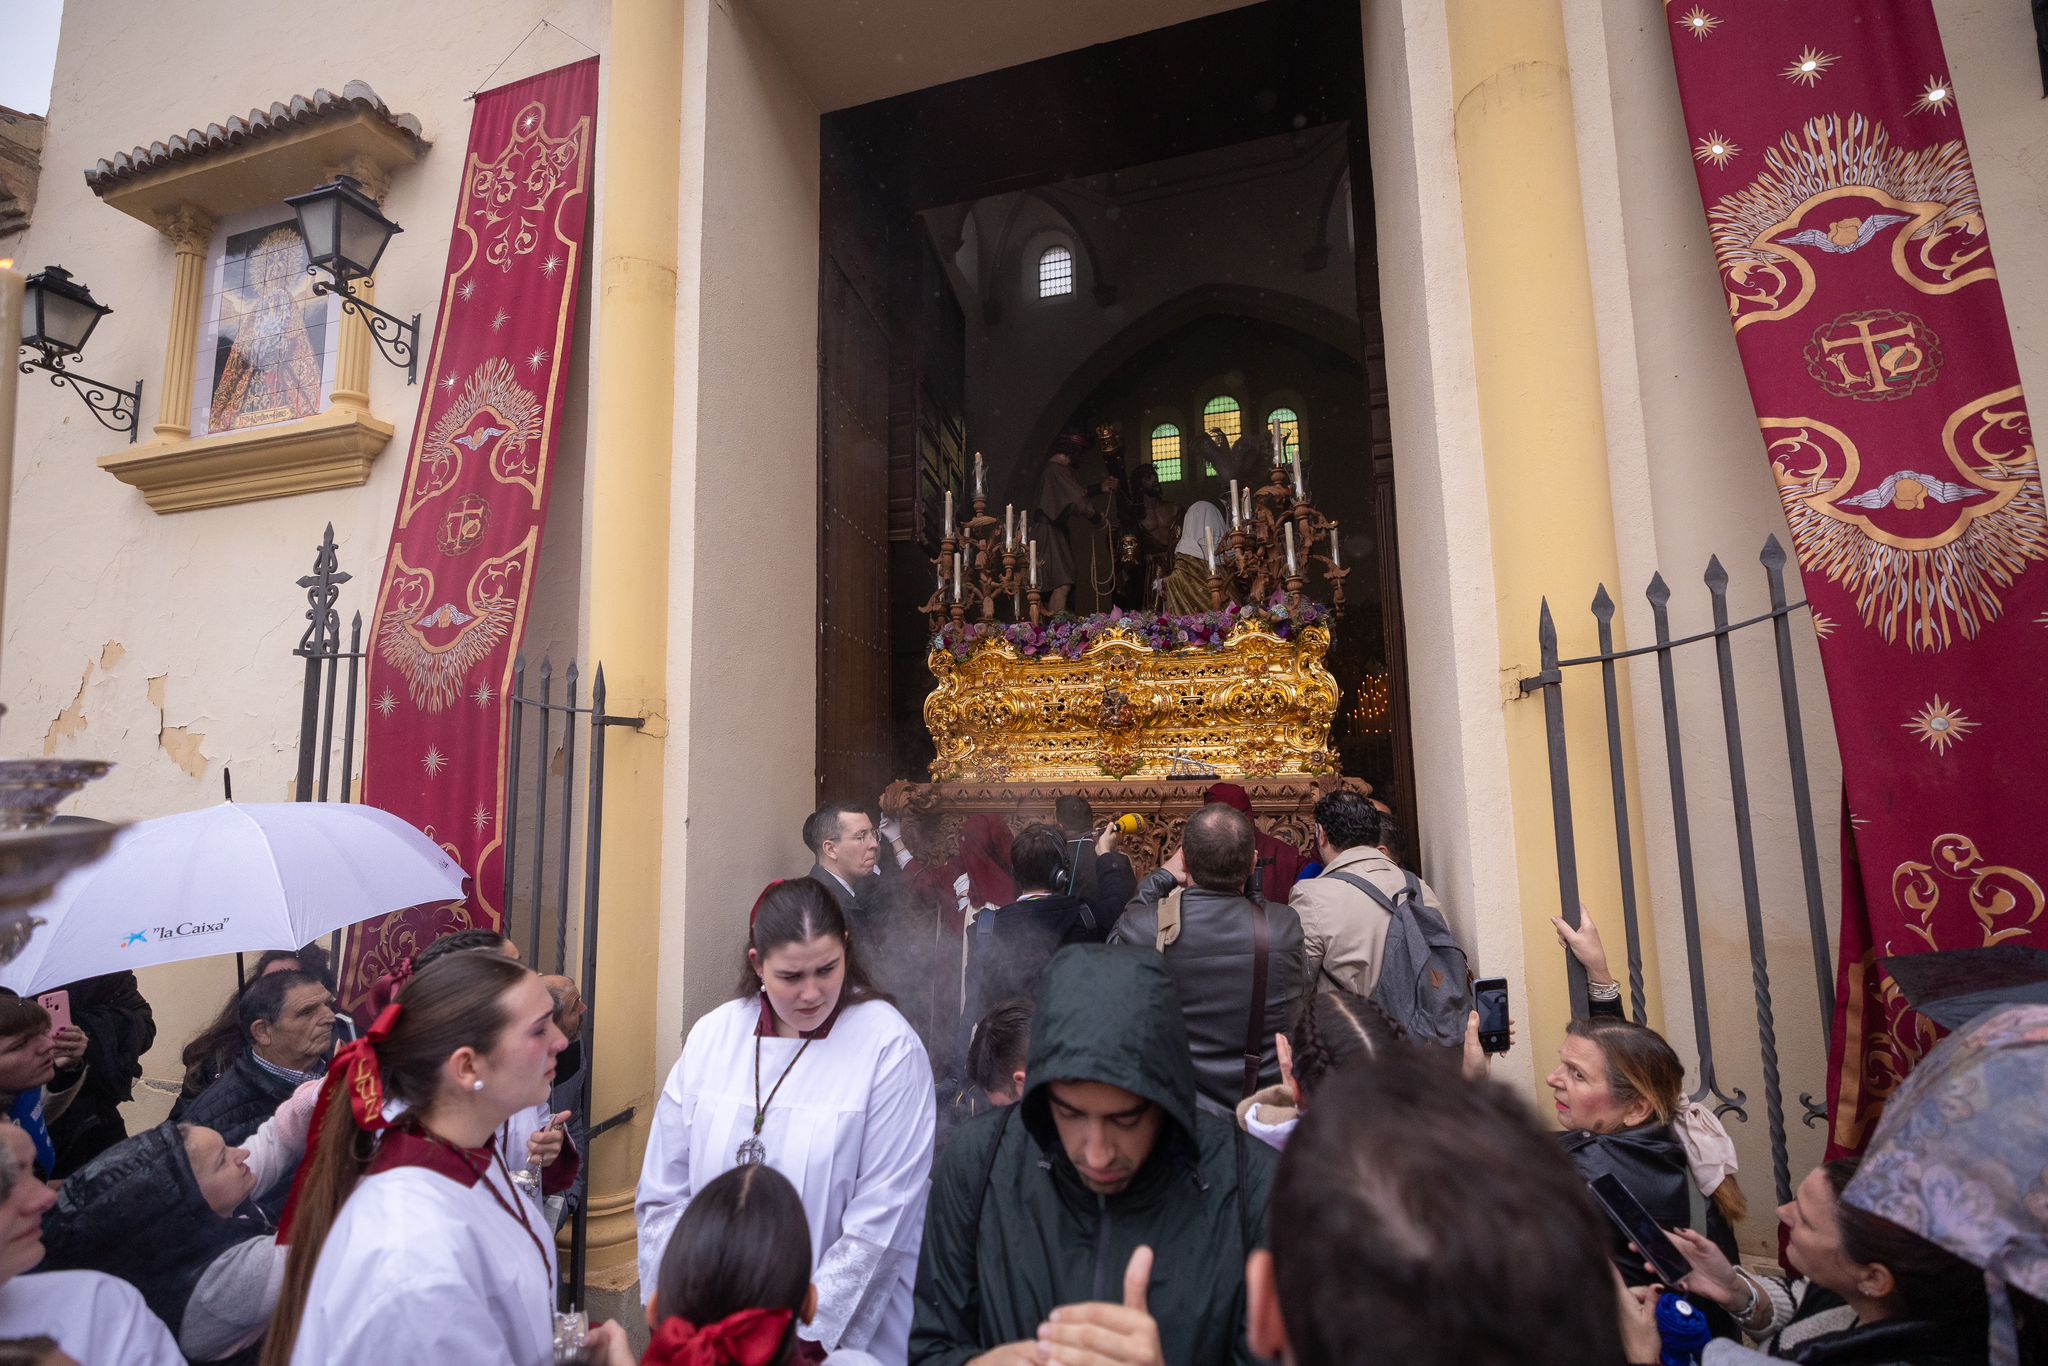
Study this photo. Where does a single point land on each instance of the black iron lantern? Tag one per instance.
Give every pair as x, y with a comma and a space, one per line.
344, 231
345, 235
58, 316
57, 313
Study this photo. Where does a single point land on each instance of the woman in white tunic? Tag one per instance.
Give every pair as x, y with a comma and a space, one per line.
93, 1317
410, 1244
813, 1073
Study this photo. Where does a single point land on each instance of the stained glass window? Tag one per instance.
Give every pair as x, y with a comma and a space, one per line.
1290, 429
1166, 452
1055, 272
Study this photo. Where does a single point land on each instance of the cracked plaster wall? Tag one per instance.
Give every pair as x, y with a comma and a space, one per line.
163, 643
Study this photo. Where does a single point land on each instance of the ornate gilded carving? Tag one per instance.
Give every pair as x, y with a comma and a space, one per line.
1258, 705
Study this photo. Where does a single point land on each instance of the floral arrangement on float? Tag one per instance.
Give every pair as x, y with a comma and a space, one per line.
1069, 637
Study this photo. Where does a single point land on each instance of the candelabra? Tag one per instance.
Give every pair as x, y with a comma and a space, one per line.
984, 565
1273, 539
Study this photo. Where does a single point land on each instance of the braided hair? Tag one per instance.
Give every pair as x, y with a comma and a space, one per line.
1337, 1028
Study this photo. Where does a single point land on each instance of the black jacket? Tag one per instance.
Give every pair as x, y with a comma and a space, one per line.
119, 1028
1211, 965
240, 1100
1895, 1342
136, 1212
1011, 1233
1008, 947
1650, 1161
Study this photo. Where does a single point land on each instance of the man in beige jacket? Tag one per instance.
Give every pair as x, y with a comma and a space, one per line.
1343, 928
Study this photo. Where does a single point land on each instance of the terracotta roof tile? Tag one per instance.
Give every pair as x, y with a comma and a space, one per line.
193, 143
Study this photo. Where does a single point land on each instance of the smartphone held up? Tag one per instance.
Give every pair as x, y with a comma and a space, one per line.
1490, 999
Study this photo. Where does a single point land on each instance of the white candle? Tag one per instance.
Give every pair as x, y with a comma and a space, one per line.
1279, 444
1300, 493
1247, 505
1034, 564
1336, 548
11, 283
947, 534
1009, 531
941, 568
956, 576
980, 489
1209, 536
1289, 528
1233, 505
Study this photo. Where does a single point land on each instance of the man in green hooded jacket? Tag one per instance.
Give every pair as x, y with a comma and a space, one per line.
1104, 1195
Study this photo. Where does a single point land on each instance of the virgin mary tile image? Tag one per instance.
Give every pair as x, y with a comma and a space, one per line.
266, 357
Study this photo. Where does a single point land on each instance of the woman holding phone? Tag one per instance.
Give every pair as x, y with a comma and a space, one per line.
1868, 1293
1620, 1096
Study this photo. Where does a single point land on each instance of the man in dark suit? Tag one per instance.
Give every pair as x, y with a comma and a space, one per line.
841, 838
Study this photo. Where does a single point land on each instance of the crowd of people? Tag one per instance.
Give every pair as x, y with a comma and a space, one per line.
1236, 1110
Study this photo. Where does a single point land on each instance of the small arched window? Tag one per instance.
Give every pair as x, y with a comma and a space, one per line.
1221, 414
1166, 452
1055, 272
1290, 430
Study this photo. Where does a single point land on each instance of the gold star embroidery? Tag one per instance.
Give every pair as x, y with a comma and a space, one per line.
387, 702
433, 761
1699, 23
1716, 150
483, 694
1940, 725
1823, 626
1936, 97
1809, 66
480, 818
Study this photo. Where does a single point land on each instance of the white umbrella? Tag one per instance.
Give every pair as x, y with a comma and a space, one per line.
230, 879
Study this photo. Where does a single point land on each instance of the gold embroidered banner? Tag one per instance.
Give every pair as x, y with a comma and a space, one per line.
1857, 268
453, 599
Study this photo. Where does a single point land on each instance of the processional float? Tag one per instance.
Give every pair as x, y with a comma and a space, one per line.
1139, 712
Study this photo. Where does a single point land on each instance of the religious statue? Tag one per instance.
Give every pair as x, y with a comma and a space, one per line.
1187, 585
1062, 514
1150, 530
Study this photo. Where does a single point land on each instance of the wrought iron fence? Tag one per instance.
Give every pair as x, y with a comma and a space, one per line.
537, 785
1550, 682
546, 906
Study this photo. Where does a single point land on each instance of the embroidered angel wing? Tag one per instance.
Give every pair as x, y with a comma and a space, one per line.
1940, 490
1872, 226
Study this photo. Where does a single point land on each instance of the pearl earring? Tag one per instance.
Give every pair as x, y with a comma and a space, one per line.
477, 1085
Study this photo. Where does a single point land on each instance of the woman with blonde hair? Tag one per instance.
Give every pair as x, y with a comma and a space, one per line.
1620, 1095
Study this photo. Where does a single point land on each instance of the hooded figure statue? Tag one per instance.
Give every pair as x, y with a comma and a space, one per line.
1015, 1229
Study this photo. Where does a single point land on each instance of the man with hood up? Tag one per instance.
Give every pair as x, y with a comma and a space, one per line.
1040, 1206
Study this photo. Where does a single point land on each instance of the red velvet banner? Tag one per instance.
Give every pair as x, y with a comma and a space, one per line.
453, 600
1828, 142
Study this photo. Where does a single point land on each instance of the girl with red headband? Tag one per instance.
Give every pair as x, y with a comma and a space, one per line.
736, 1280
812, 1072
409, 1241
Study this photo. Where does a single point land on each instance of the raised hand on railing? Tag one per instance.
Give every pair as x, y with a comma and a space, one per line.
1584, 944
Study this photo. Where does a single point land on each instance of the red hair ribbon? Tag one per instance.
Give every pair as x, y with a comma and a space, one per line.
755, 914
355, 1068
751, 1337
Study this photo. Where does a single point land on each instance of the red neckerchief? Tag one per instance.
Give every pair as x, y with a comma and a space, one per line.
765, 1028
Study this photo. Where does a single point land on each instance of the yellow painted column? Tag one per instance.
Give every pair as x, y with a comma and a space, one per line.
190, 233
632, 435
1538, 370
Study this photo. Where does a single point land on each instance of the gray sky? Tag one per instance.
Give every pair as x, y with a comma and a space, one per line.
28, 53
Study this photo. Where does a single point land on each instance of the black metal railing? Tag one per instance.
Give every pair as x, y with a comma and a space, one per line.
326, 661
1550, 682
537, 785
544, 905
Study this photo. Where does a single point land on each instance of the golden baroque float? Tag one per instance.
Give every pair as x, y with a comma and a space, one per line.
1250, 697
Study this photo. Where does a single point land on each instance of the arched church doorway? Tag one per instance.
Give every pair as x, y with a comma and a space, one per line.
1135, 246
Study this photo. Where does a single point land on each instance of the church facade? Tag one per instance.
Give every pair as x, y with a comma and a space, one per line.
1554, 387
